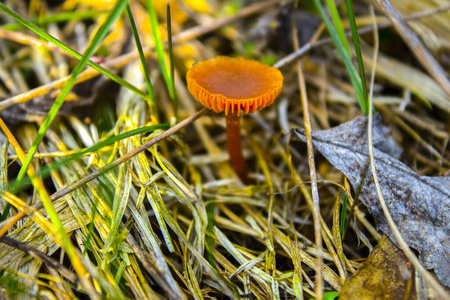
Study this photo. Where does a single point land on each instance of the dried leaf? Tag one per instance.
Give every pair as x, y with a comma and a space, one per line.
385, 275
419, 205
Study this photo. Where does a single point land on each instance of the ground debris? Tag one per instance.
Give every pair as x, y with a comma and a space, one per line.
386, 274
419, 205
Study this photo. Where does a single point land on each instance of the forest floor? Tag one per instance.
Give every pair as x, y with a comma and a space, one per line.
116, 183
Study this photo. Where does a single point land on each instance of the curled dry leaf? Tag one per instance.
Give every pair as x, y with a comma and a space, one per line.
419, 205
385, 275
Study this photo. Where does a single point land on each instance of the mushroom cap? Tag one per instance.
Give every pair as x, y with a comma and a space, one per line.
223, 84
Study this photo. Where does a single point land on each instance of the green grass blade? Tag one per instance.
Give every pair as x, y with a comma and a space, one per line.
159, 47
152, 102
91, 227
57, 229
57, 18
172, 67
354, 76
72, 52
223, 281
55, 166
121, 197
355, 36
103, 30
209, 244
329, 296
338, 24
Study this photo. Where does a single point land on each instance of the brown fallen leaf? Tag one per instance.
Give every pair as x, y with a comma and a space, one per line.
386, 274
419, 205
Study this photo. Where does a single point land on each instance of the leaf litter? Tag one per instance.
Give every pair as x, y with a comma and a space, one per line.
420, 205
386, 274
158, 248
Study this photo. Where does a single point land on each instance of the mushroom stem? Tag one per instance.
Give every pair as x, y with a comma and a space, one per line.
234, 146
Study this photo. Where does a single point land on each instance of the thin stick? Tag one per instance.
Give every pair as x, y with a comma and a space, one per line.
312, 172
127, 156
398, 236
25, 39
115, 163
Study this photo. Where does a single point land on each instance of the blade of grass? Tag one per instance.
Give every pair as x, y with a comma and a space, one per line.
55, 166
58, 18
103, 30
355, 36
121, 197
342, 263
343, 215
143, 225
152, 102
58, 230
72, 52
130, 154
172, 67
211, 214
338, 24
160, 49
91, 227
4, 166
354, 77
48, 260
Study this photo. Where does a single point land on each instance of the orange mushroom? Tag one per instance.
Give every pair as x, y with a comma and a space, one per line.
231, 84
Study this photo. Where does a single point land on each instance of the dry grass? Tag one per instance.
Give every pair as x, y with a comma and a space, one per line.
162, 214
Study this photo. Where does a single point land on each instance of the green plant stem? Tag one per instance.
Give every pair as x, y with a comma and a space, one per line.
152, 102
338, 24
159, 47
172, 67
356, 44
354, 76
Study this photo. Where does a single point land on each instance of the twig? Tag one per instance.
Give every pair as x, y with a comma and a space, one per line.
25, 39
118, 161
127, 156
313, 175
398, 236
